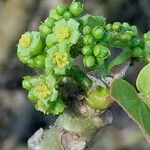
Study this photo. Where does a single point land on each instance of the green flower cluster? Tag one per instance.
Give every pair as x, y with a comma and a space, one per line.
60, 34
49, 50
44, 94
121, 34
63, 13
94, 48
61, 37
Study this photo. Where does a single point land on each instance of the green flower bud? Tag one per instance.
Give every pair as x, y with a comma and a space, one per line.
108, 27
98, 33
97, 49
125, 37
134, 29
44, 30
88, 39
49, 22
76, 8
86, 50
116, 26
105, 52
50, 41
101, 51
60, 9
99, 98
147, 36
67, 15
87, 30
89, 61
125, 25
137, 52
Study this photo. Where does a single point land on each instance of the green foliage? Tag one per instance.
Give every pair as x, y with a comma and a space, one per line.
63, 36
143, 84
137, 105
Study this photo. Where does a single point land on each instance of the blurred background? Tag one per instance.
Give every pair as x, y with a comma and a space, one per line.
18, 119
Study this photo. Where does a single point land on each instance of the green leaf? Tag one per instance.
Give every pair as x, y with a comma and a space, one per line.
127, 97
143, 82
121, 58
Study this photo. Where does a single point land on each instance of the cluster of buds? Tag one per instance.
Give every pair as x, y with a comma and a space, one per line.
94, 35
121, 33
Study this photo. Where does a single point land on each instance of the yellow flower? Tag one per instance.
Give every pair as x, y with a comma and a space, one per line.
60, 59
62, 33
25, 40
43, 90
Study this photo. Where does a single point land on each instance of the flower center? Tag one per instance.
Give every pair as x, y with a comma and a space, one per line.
60, 59
62, 33
43, 91
25, 40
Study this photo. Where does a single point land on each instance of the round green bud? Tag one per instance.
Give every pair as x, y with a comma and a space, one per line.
134, 29
116, 26
137, 52
88, 39
98, 33
108, 27
87, 30
44, 30
97, 49
105, 52
50, 41
125, 37
99, 98
147, 36
49, 22
89, 61
76, 8
60, 9
86, 50
125, 25
67, 15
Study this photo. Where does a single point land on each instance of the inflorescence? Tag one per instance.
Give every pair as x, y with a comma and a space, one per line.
63, 31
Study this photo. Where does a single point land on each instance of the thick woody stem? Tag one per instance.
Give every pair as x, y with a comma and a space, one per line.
69, 132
